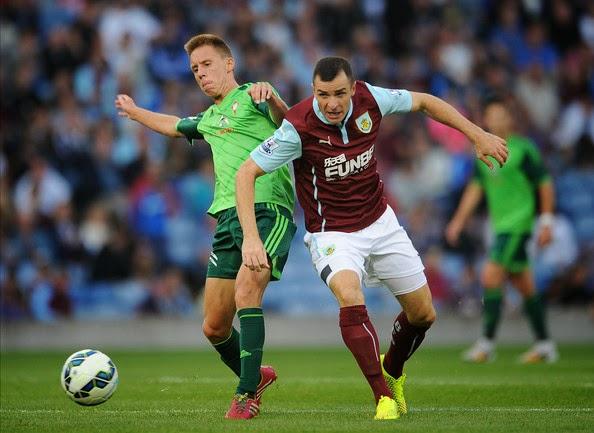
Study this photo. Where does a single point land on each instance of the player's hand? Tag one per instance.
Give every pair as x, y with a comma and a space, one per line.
254, 255
545, 236
125, 105
261, 91
488, 144
452, 232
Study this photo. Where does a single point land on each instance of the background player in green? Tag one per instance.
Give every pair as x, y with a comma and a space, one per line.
511, 200
238, 121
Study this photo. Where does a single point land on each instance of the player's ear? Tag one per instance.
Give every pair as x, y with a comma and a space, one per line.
353, 86
230, 64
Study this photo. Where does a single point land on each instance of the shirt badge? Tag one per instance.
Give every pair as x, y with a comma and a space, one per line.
234, 107
268, 146
328, 251
364, 123
223, 122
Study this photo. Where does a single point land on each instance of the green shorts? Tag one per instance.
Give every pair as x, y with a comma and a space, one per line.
509, 251
276, 228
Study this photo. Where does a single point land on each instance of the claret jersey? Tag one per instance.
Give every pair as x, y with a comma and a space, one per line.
335, 166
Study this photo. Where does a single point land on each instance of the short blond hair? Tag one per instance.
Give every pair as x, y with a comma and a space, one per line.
208, 39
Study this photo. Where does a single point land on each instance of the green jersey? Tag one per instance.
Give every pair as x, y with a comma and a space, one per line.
510, 190
233, 129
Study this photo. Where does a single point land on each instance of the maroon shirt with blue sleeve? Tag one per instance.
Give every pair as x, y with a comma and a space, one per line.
335, 167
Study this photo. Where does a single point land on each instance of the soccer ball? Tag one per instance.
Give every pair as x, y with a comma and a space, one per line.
89, 377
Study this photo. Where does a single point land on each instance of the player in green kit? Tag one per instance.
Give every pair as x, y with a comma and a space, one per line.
511, 201
238, 121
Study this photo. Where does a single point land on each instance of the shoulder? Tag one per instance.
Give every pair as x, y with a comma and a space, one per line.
363, 94
362, 86
299, 112
524, 144
242, 91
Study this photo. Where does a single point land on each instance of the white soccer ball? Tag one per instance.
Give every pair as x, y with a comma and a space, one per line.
89, 377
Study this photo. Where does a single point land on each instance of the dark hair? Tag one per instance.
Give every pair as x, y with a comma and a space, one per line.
208, 39
493, 99
329, 67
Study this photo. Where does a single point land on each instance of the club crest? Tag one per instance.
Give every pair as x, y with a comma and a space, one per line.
328, 251
364, 123
223, 122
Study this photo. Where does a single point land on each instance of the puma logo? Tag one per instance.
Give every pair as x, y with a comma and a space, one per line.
328, 142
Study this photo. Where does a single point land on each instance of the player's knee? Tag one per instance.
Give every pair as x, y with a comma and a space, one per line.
492, 276
424, 317
350, 298
248, 295
215, 332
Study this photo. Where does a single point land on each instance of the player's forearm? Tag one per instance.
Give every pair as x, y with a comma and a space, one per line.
546, 193
277, 108
470, 200
162, 123
245, 182
445, 113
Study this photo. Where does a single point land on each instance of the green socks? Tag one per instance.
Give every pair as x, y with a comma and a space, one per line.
251, 344
534, 310
492, 311
229, 351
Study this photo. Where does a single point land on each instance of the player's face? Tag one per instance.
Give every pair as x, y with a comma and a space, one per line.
497, 119
334, 97
211, 70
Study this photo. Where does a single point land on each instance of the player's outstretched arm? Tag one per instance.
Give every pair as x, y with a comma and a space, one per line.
470, 200
162, 123
263, 92
252, 250
485, 144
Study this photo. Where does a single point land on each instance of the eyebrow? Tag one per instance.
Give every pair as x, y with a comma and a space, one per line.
343, 89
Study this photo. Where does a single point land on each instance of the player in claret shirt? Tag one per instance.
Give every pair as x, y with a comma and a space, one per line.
240, 118
352, 234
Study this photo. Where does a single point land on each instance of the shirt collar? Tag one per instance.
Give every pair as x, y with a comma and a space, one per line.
316, 108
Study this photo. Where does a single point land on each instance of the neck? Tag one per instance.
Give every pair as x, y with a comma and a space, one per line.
231, 85
505, 132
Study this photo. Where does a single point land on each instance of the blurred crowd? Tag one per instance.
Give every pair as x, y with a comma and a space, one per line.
100, 216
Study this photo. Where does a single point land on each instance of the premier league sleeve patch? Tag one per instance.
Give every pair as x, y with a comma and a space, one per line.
364, 123
268, 146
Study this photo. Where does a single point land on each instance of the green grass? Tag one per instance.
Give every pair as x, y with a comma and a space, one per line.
317, 391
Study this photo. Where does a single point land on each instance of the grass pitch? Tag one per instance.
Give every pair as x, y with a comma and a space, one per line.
318, 390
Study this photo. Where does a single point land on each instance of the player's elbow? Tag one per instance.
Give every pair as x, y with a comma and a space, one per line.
248, 172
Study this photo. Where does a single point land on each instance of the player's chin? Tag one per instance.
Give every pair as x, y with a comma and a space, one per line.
209, 91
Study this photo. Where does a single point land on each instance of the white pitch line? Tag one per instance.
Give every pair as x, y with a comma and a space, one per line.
423, 381
313, 411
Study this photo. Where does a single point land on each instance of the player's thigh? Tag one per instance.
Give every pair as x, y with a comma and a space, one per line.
346, 286
250, 286
524, 282
218, 306
225, 258
276, 229
418, 306
509, 251
393, 255
332, 252
493, 275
